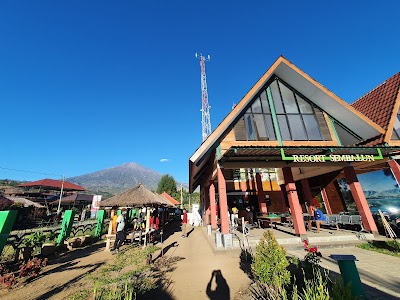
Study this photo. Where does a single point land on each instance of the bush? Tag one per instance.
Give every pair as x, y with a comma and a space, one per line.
270, 262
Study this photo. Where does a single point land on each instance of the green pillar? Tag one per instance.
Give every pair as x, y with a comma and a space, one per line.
7, 219
66, 226
100, 222
119, 212
350, 274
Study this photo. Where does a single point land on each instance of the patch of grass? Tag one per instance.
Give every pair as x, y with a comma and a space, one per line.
385, 247
80, 295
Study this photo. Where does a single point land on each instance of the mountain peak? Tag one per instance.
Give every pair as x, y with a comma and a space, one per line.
119, 178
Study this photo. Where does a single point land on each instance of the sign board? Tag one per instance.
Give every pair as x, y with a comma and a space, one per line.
95, 202
306, 158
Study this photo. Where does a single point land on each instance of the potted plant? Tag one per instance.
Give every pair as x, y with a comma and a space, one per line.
49, 245
31, 243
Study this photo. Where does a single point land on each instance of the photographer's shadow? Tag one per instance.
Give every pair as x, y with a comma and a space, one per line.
221, 291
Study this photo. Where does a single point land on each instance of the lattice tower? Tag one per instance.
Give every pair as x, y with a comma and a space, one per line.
205, 107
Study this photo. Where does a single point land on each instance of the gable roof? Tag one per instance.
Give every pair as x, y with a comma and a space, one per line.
51, 183
170, 198
304, 84
382, 104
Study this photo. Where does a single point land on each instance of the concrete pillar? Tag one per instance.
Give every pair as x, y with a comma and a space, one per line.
212, 205
262, 204
395, 167
359, 199
307, 194
296, 211
326, 201
223, 201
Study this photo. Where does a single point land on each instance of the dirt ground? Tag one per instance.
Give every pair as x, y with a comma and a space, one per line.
199, 273
62, 276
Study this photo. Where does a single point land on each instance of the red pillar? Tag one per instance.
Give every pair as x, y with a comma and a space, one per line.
326, 201
262, 204
359, 199
394, 166
296, 211
206, 208
223, 201
307, 194
212, 206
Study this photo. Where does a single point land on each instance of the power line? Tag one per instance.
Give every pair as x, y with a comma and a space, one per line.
32, 172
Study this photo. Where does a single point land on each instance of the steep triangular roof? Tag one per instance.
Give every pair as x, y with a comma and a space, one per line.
381, 105
307, 86
170, 198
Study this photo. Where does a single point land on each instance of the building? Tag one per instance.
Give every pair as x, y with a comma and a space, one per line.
288, 140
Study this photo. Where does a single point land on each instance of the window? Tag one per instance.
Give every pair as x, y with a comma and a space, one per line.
296, 115
298, 118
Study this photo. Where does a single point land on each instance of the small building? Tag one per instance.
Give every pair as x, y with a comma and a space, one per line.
284, 146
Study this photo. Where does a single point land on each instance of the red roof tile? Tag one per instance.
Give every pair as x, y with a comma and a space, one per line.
53, 184
378, 104
170, 198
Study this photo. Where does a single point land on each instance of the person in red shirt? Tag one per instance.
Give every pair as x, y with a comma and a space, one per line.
154, 225
184, 223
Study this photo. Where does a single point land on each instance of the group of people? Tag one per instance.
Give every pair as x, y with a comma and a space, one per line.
137, 227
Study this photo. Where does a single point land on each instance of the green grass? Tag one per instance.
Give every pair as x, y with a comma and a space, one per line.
385, 247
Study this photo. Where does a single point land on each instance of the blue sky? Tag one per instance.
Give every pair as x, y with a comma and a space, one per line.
87, 85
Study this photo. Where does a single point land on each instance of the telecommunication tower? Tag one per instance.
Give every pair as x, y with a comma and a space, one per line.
205, 107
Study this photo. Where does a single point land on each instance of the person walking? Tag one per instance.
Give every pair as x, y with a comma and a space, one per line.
184, 223
120, 238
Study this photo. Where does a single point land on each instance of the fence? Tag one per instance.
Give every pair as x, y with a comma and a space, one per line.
10, 251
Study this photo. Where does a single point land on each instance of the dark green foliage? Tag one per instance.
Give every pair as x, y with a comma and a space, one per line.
270, 263
167, 184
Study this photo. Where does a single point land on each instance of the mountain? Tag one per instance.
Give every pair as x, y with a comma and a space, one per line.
118, 179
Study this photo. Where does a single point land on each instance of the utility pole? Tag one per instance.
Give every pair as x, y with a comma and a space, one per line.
205, 107
59, 201
181, 197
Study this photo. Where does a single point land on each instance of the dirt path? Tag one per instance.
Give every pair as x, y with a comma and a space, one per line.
198, 273
194, 276
63, 277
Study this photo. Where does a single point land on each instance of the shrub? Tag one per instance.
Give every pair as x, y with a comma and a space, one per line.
7, 279
32, 268
270, 262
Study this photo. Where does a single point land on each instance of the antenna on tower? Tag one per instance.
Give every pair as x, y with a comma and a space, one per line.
205, 107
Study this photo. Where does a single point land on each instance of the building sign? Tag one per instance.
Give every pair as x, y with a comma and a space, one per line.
306, 158
332, 157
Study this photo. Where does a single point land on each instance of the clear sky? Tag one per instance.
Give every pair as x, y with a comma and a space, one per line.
88, 85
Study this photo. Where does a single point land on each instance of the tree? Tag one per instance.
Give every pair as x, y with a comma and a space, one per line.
167, 184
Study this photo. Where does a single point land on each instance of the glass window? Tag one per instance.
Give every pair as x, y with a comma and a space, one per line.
346, 137
256, 107
312, 128
283, 126
270, 127
249, 126
260, 126
276, 97
288, 99
264, 102
304, 106
297, 128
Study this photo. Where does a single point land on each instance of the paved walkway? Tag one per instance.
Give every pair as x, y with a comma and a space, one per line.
380, 273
